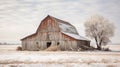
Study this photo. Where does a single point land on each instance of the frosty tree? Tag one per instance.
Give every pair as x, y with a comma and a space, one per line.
99, 29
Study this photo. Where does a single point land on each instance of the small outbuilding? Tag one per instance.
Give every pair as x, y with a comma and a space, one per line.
55, 32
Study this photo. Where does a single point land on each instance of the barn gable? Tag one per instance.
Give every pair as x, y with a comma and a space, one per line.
48, 24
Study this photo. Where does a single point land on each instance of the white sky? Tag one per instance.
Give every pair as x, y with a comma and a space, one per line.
19, 18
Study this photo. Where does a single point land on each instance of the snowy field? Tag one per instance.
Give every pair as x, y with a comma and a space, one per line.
9, 57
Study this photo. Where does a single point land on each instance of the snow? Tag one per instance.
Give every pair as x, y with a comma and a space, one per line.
67, 28
75, 36
113, 47
8, 57
62, 65
59, 57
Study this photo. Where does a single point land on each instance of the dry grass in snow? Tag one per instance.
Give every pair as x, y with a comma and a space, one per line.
11, 57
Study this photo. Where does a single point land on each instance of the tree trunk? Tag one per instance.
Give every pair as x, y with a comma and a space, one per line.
98, 47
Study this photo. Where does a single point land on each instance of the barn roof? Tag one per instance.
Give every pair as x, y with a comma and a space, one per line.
69, 29
65, 28
75, 36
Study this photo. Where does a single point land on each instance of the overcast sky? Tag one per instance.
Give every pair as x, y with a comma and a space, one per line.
19, 18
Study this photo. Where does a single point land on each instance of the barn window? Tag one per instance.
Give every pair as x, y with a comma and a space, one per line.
37, 43
48, 44
58, 43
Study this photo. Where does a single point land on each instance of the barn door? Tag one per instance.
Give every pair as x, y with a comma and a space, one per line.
48, 44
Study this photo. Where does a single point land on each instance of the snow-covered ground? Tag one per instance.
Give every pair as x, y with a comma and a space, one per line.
10, 57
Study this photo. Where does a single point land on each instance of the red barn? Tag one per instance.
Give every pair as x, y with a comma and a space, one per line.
53, 31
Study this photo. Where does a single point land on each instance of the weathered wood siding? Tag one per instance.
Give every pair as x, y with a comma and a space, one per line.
29, 43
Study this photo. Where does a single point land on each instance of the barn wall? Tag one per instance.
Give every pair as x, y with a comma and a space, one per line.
24, 47
29, 43
39, 42
68, 43
65, 42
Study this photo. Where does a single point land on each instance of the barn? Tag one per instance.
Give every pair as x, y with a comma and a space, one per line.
55, 32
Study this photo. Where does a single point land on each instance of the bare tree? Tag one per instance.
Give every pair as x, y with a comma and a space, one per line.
100, 29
